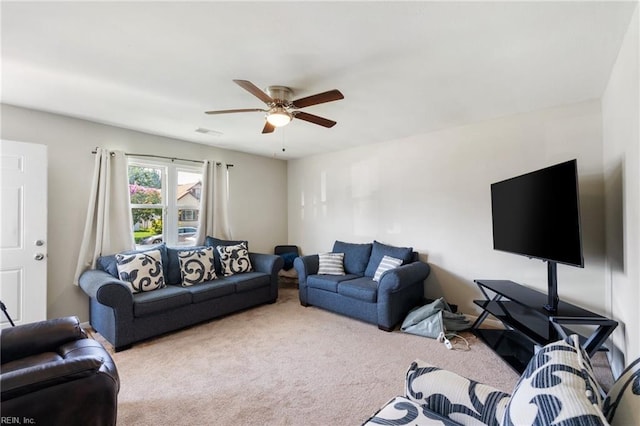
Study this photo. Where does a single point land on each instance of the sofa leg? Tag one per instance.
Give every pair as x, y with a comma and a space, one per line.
387, 329
305, 304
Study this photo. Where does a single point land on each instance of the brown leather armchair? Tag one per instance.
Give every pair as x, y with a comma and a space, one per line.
52, 374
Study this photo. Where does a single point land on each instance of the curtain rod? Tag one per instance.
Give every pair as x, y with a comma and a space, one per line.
166, 158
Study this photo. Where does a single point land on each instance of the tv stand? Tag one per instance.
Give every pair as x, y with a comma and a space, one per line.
552, 287
529, 324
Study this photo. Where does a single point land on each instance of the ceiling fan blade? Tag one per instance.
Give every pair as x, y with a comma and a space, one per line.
228, 111
268, 127
320, 98
254, 90
315, 119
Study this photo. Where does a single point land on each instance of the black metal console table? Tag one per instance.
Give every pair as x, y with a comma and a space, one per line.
529, 325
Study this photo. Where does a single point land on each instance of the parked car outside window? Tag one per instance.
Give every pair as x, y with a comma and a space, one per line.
185, 234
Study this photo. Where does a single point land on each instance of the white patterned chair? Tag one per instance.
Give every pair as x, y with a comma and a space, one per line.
557, 388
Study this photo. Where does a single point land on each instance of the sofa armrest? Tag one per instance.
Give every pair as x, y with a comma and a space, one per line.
109, 291
451, 395
42, 336
36, 377
267, 263
398, 278
305, 266
106, 289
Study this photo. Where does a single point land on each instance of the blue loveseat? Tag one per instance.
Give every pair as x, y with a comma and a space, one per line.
356, 294
124, 317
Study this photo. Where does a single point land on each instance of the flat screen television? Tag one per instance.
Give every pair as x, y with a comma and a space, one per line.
538, 215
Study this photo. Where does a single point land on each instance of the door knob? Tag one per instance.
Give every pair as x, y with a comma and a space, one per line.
38, 256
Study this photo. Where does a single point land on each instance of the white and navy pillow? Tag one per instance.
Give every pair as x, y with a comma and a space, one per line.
234, 259
331, 263
401, 411
557, 387
196, 266
142, 270
386, 263
454, 397
622, 404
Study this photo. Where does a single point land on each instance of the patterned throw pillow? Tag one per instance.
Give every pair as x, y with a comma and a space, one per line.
331, 263
196, 266
234, 259
402, 411
558, 387
622, 405
142, 270
386, 263
215, 242
455, 397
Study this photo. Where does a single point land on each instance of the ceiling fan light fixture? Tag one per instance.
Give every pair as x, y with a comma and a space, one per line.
278, 117
281, 109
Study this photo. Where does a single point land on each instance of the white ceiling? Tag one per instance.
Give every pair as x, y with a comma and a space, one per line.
404, 68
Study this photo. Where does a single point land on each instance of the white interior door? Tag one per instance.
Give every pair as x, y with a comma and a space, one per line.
23, 231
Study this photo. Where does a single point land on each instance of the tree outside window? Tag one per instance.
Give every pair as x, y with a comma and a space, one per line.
165, 201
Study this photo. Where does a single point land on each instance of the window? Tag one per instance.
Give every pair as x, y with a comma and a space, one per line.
165, 201
188, 215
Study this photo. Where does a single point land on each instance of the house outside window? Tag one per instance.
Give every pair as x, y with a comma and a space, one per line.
165, 201
187, 215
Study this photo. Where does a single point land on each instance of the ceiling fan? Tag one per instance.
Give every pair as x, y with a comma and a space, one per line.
281, 109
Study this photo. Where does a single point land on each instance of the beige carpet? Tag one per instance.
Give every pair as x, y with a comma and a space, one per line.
281, 364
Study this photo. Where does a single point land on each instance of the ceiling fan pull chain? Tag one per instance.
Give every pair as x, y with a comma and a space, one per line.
283, 132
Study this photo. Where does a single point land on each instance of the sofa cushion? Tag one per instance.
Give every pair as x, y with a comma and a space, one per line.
151, 302
328, 282
361, 288
143, 270
249, 281
386, 263
557, 387
110, 265
622, 404
331, 264
196, 266
234, 259
401, 411
379, 250
356, 256
211, 290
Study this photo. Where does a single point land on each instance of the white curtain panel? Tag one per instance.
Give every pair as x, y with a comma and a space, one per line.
214, 202
107, 229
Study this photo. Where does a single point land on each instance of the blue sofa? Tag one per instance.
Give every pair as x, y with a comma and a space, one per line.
123, 317
356, 294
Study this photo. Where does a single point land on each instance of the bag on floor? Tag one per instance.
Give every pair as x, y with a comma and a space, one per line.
432, 319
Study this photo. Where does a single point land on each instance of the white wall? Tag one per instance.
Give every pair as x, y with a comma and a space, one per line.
432, 192
621, 154
257, 184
